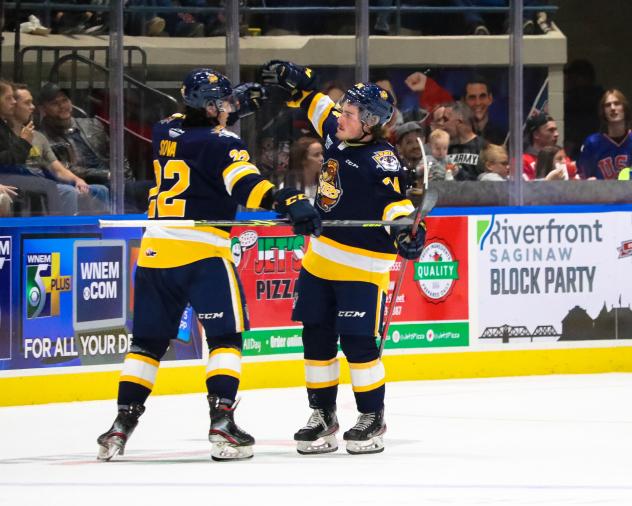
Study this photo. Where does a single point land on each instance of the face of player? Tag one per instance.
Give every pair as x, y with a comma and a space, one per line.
547, 134
408, 146
221, 109
478, 98
349, 124
24, 106
7, 103
613, 109
60, 107
439, 148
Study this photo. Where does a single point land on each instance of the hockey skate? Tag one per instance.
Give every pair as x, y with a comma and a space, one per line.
112, 443
229, 442
366, 435
319, 435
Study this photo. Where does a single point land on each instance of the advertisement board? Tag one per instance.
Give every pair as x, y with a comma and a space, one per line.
553, 278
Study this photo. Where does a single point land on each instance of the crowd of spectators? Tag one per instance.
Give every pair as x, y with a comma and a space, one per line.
62, 166
462, 143
65, 158
188, 20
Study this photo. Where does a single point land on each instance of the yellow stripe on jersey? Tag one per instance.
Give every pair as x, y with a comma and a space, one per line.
164, 247
319, 109
397, 209
378, 312
235, 295
355, 250
257, 193
158, 253
297, 102
329, 259
236, 171
326, 268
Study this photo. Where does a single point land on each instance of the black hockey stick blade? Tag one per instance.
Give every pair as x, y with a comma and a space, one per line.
428, 202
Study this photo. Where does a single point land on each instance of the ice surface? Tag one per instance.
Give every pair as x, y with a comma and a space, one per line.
547, 440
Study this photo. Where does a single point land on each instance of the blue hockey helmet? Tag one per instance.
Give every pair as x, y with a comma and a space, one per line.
203, 87
376, 104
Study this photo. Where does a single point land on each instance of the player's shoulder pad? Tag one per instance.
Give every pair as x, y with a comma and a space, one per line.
385, 158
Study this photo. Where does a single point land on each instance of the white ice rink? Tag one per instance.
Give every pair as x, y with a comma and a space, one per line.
554, 440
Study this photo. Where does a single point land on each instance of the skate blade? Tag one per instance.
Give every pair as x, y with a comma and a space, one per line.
111, 449
222, 450
325, 444
373, 445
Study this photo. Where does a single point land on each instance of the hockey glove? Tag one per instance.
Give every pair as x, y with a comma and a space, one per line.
305, 219
409, 247
250, 97
289, 76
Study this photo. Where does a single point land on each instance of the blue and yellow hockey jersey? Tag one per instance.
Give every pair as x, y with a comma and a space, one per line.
201, 173
357, 182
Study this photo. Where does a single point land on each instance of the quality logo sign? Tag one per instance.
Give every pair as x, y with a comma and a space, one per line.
436, 271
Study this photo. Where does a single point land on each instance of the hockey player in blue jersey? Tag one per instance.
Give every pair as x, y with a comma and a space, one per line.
344, 278
203, 171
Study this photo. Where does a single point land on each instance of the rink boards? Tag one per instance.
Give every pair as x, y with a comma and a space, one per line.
496, 291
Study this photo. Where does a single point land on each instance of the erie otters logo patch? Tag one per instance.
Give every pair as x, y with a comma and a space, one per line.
329, 190
387, 160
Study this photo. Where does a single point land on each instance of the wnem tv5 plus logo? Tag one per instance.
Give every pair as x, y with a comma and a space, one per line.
44, 284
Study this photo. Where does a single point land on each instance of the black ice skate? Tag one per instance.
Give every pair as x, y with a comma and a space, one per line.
112, 442
228, 440
366, 435
319, 435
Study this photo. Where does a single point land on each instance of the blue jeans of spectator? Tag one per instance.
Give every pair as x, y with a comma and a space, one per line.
69, 196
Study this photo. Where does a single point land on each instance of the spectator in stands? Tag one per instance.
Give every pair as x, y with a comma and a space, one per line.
430, 93
478, 96
541, 131
14, 149
495, 162
551, 164
478, 23
581, 100
440, 168
7, 193
306, 160
438, 117
465, 145
42, 162
407, 138
73, 22
605, 153
147, 23
82, 145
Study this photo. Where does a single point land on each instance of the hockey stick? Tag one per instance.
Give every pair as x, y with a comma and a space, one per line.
428, 202
244, 223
